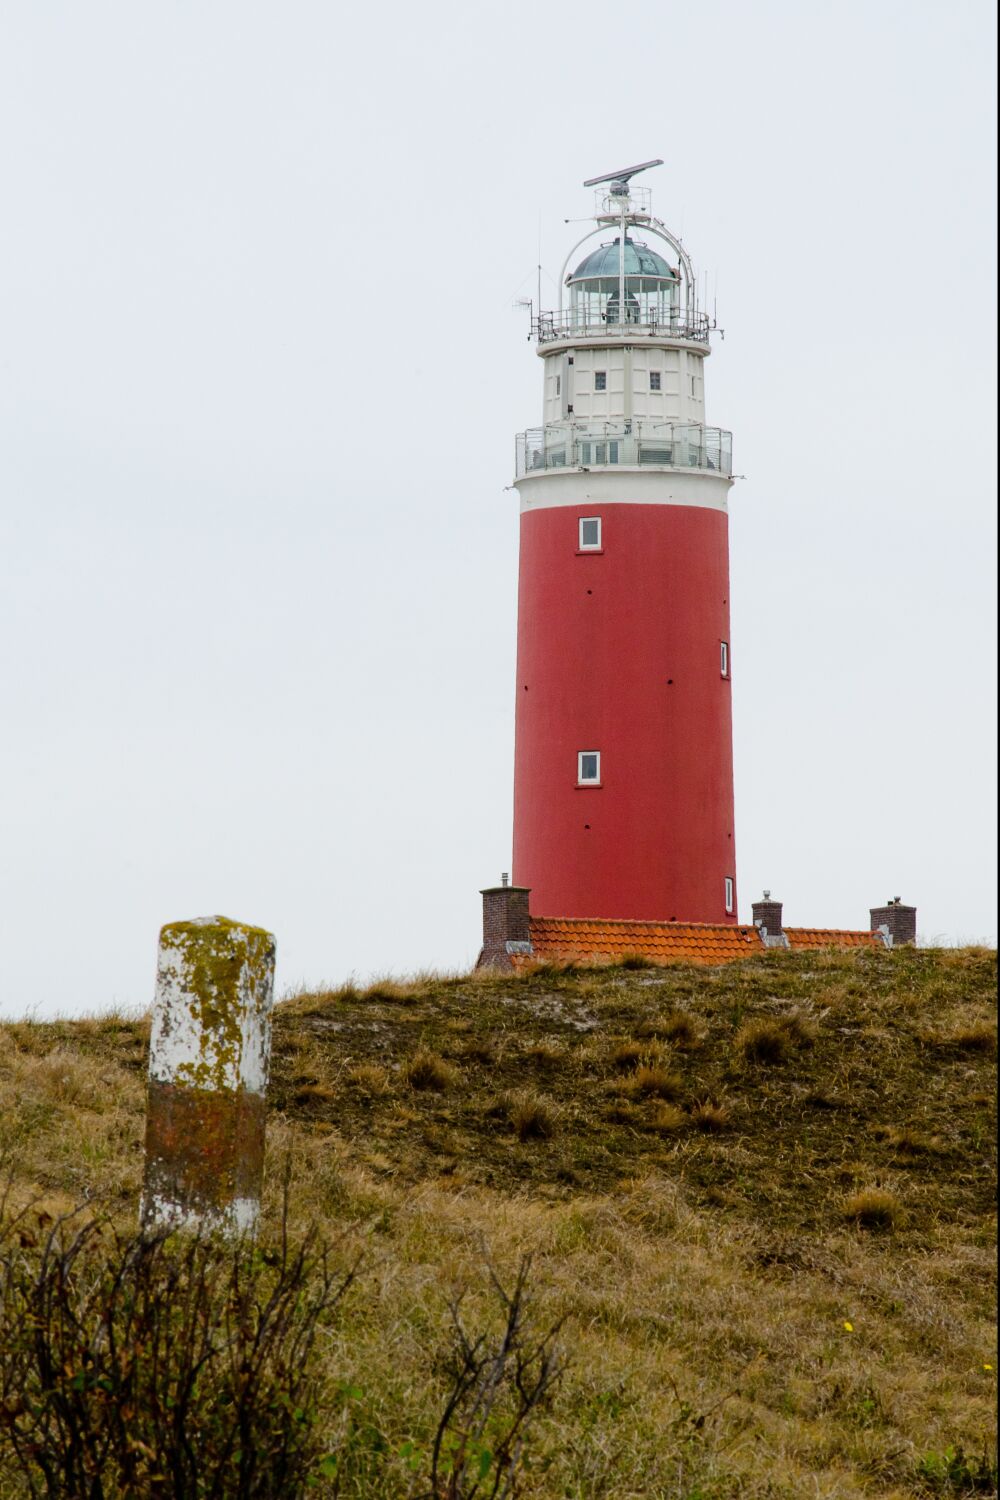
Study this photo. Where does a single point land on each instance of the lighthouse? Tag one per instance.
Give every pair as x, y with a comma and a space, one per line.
623, 774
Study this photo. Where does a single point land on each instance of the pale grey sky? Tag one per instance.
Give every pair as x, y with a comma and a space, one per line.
259, 378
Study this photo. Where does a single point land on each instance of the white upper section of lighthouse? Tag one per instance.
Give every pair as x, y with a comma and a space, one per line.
624, 352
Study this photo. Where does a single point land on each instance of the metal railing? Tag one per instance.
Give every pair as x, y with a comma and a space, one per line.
638, 444
546, 326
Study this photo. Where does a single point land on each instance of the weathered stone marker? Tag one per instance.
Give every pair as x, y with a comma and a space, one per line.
208, 1064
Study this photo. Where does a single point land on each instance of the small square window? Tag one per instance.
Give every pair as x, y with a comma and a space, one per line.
654, 380
600, 380
588, 767
730, 893
724, 658
590, 533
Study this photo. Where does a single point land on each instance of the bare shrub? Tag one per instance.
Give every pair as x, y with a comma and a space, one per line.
873, 1208
159, 1365
426, 1070
498, 1385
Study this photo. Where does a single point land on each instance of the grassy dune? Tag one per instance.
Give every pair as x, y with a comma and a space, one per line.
762, 1196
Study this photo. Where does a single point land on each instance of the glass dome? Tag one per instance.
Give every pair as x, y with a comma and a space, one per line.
651, 287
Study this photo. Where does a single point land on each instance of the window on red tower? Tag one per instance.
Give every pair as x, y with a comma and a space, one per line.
730, 893
590, 533
588, 767
724, 658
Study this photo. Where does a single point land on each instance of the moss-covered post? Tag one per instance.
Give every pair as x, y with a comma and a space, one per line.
208, 1064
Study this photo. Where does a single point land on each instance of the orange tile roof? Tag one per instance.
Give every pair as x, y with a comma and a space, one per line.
824, 937
578, 939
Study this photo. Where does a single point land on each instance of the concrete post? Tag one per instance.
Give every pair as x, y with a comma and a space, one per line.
208, 1064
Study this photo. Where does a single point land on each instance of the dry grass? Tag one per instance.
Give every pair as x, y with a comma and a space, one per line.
711, 1117
772, 1040
532, 1117
426, 1070
668, 1117
708, 1259
873, 1208
907, 1142
677, 1028
627, 1056
370, 1078
980, 1036
653, 1082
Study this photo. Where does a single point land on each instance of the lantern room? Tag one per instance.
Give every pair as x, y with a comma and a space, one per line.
651, 287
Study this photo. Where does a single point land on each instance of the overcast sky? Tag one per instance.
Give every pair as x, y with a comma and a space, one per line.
260, 372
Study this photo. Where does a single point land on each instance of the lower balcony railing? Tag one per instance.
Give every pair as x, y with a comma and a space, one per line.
640, 443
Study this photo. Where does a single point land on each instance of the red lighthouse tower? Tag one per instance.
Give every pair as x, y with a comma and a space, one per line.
623, 780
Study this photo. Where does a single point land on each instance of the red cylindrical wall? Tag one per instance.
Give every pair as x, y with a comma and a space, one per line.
620, 651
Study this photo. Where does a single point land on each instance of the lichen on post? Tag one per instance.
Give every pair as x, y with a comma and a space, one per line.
208, 1065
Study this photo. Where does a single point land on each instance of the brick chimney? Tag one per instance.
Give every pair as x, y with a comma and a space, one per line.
767, 918
898, 923
505, 924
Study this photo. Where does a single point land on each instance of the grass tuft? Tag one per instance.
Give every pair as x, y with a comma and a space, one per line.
873, 1208
677, 1028
668, 1118
772, 1040
427, 1070
711, 1117
532, 1117
370, 1078
650, 1081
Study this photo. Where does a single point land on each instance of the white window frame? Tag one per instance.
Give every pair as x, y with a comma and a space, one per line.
590, 546
730, 894
655, 380
724, 658
582, 780
600, 375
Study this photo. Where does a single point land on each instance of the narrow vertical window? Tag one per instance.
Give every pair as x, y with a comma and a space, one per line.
558, 385
654, 380
724, 658
588, 767
590, 533
600, 380
729, 893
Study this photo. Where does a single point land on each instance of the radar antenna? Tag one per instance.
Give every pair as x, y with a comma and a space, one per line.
619, 180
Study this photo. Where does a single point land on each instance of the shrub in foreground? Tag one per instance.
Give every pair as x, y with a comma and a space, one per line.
159, 1365
179, 1367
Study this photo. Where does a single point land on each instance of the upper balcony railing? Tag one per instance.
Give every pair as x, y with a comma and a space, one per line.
640, 443
646, 323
